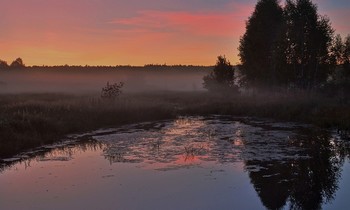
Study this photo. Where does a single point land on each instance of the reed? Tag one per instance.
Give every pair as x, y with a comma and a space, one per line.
31, 120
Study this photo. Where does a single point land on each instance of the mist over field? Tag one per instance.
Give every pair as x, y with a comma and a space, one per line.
91, 80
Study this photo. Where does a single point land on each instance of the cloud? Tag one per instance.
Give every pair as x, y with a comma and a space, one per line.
132, 31
184, 31
193, 24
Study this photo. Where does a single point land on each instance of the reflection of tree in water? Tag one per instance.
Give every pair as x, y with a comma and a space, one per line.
270, 183
302, 171
306, 183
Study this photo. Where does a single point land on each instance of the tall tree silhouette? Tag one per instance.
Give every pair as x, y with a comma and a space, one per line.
309, 40
339, 85
337, 51
346, 55
286, 46
260, 47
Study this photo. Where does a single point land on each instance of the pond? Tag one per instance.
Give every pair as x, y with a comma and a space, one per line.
216, 162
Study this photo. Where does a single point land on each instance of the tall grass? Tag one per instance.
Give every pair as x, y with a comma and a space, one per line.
30, 120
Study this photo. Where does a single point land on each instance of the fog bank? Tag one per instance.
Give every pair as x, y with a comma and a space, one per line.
91, 80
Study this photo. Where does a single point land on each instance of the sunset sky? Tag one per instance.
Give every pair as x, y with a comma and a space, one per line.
135, 32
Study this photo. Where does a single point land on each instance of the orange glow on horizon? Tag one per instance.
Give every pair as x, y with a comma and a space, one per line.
122, 33
144, 37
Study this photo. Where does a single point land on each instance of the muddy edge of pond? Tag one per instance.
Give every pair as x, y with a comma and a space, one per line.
86, 138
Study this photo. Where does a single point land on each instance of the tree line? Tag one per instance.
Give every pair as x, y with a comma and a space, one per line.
18, 63
292, 47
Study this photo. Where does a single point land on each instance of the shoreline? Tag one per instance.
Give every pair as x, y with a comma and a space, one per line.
33, 120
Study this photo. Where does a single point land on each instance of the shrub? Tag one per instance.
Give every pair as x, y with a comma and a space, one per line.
222, 78
112, 91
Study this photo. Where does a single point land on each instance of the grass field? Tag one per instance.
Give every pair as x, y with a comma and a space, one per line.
31, 120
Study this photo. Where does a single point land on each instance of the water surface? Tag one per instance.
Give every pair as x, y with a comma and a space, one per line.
213, 162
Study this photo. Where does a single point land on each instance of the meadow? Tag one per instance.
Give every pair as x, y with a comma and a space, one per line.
31, 120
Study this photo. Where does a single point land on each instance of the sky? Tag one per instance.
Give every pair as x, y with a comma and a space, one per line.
132, 32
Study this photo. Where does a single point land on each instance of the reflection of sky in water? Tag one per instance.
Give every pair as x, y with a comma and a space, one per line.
189, 163
189, 139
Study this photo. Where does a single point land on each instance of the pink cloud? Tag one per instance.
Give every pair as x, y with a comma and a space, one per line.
182, 35
203, 24
50, 32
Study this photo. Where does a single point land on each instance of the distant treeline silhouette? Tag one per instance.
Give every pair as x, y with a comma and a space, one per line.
19, 64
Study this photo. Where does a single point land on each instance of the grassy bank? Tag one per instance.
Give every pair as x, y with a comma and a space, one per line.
30, 120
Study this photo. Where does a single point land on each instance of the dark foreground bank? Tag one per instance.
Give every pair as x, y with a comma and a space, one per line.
31, 120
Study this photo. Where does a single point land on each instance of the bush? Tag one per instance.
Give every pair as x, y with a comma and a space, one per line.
112, 91
222, 78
